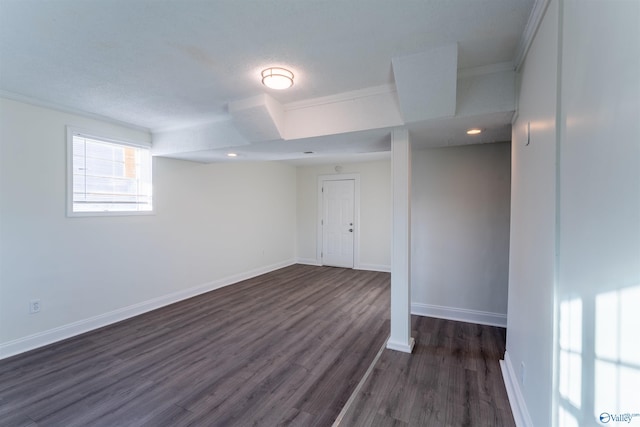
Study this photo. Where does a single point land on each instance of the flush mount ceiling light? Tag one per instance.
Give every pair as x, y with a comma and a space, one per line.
474, 131
232, 155
277, 78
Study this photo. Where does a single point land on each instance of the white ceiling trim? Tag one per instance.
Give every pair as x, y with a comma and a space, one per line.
391, 88
535, 17
341, 97
70, 110
464, 73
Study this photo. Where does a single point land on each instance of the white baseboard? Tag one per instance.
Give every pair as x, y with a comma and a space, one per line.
401, 346
41, 339
460, 314
375, 267
516, 400
308, 261
368, 267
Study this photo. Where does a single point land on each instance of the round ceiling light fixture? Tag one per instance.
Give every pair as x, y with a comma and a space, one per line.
474, 131
277, 78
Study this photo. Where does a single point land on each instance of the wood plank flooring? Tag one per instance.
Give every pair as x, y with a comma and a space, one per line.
286, 348
452, 379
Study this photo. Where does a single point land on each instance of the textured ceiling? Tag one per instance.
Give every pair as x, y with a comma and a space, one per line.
176, 63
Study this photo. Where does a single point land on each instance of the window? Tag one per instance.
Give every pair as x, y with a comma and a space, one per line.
107, 177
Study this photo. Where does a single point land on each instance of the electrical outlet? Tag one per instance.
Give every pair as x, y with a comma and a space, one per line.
34, 306
522, 373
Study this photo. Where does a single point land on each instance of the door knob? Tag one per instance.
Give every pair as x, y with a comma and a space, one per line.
351, 230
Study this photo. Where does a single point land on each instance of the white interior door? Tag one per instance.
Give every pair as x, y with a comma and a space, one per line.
337, 223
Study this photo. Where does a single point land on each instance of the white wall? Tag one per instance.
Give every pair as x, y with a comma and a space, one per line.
213, 224
460, 217
533, 216
599, 213
574, 285
375, 212
460, 232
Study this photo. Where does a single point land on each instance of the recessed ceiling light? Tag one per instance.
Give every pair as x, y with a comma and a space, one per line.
277, 78
474, 131
232, 155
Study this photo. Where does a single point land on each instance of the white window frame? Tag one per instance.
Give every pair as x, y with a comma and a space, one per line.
75, 131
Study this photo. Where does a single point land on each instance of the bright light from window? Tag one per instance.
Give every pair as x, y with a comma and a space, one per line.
108, 177
566, 419
617, 350
570, 369
630, 326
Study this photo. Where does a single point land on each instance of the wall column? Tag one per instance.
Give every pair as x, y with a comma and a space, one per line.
400, 338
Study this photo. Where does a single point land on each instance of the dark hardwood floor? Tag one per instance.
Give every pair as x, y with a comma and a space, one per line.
286, 348
452, 378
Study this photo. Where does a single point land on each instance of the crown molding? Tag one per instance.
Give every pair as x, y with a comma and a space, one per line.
341, 97
535, 17
62, 108
485, 69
